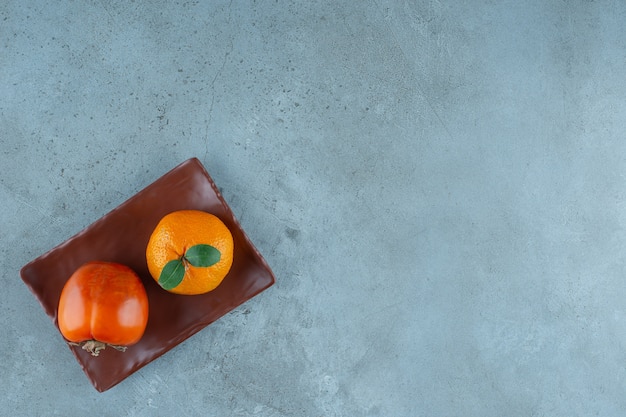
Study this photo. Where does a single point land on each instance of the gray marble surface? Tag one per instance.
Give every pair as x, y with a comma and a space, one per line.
439, 187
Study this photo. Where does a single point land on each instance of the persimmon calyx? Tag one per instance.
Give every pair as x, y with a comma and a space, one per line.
95, 346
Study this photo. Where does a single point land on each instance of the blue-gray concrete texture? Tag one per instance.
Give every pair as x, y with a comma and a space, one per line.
439, 187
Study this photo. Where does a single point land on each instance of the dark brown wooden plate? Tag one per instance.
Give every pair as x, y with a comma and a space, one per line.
121, 236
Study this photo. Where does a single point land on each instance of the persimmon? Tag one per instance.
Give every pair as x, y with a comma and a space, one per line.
103, 304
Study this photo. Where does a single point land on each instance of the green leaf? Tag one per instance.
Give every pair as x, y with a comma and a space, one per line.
172, 274
202, 255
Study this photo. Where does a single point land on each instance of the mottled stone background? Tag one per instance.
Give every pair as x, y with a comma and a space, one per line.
439, 187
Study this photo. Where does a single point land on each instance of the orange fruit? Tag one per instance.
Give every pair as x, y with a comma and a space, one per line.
190, 252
